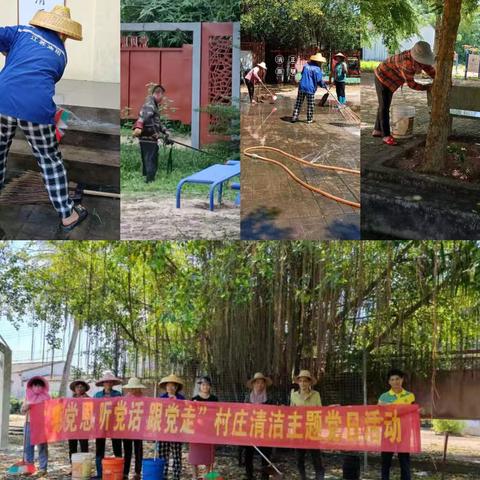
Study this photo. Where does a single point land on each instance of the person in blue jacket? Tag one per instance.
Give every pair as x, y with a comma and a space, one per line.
312, 77
35, 61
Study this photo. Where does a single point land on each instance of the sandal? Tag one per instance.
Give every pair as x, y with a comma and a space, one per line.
390, 141
82, 215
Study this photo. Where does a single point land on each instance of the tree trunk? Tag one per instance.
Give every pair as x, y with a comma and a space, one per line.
438, 26
68, 362
438, 130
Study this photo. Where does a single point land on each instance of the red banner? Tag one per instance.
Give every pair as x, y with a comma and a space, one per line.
394, 428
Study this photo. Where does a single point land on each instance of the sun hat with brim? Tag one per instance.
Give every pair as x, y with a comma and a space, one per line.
259, 376
58, 20
318, 57
262, 65
134, 383
108, 377
422, 53
339, 54
79, 382
305, 374
172, 378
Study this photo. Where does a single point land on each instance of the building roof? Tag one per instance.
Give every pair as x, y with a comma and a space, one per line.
25, 366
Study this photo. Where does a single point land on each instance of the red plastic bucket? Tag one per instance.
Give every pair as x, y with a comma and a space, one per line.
112, 468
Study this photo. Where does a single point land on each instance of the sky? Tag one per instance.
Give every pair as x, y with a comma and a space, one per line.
20, 342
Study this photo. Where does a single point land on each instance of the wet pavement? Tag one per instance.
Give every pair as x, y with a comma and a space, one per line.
274, 206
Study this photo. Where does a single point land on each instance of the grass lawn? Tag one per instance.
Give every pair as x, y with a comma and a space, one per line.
185, 162
368, 65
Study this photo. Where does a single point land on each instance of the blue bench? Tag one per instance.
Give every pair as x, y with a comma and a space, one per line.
215, 176
236, 186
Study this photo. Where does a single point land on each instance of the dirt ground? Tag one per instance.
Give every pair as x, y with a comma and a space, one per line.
463, 162
155, 217
464, 457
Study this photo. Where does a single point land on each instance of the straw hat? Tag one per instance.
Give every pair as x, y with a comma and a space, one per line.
108, 377
318, 57
262, 65
339, 54
259, 376
79, 382
422, 53
58, 20
305, 374
172, 378
134, 383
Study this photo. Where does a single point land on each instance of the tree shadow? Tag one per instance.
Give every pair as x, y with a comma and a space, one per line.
344, 230
260, 225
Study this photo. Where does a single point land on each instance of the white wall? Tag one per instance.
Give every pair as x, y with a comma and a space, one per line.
97, 57
19, 380
473, 427
378, 51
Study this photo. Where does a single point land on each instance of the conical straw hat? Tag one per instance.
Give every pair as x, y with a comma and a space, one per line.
58, 20
134, 383
108, 377
318, 57
172, 378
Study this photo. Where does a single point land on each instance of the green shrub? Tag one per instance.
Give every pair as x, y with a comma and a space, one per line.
15, 406
453, 427
368, 65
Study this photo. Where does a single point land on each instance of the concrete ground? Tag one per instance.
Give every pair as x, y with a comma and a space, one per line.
274, 206
41, 222
373, 148
155, 217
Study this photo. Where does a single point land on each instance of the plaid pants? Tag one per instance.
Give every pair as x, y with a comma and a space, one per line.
175, 448
44, 145
310, 104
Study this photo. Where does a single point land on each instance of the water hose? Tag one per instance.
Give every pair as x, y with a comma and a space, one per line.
249, 153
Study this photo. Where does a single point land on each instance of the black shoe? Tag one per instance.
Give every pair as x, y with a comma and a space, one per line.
82, 215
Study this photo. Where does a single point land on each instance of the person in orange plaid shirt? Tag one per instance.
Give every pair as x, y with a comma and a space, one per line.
392, 74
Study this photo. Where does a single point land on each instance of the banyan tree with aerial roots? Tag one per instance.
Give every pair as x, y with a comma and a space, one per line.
347, 311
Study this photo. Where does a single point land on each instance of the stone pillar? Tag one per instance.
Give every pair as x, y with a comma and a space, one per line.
5, 384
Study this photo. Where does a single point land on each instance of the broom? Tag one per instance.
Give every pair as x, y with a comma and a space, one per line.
26, 189
21, 469
274, 97
278, 474
29, 189
347, 113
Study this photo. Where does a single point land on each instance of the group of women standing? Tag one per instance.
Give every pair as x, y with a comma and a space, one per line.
199, 454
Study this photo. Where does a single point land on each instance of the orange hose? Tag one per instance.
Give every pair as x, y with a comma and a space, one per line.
249, 153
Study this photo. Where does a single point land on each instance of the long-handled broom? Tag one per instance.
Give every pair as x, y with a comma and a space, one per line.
346, 112
278, 474
21, 469
274, 97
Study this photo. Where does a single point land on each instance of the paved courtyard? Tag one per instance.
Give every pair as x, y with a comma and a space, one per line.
274, 206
